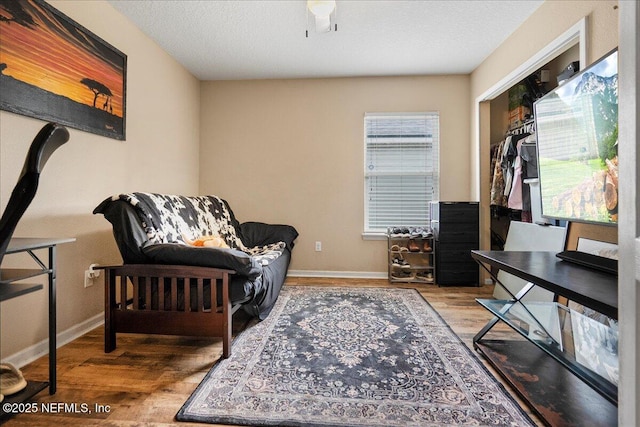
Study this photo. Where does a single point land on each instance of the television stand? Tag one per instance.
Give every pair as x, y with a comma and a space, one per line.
607, 265
537, 357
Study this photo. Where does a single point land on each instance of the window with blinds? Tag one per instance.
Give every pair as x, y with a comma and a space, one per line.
401, 169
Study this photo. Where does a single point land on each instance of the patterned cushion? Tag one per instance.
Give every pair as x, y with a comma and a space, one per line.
167, 218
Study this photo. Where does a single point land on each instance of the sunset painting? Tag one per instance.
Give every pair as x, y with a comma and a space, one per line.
53, 69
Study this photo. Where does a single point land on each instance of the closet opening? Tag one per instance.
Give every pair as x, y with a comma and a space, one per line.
492, 123
514, 192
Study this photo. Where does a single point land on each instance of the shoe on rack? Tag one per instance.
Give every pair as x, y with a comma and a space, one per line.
413, 246
416, 231
400, 263
401, 275
425, 277
11, 379
427, 247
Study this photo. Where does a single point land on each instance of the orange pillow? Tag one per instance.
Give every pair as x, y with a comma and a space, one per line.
207, 241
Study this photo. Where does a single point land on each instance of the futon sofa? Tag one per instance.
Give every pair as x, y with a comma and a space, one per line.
168, 285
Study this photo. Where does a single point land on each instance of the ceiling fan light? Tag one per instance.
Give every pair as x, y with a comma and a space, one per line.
321, 8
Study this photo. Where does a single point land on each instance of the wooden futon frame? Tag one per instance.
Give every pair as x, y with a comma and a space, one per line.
154, 306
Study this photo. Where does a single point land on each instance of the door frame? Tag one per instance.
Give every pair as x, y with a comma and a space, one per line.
629, 225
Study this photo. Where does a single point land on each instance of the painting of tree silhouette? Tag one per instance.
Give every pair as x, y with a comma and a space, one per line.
84, 83
98, 89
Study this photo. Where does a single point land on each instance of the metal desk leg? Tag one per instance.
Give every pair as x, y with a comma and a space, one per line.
52, 320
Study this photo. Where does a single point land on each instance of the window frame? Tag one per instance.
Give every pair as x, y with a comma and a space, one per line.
380, 234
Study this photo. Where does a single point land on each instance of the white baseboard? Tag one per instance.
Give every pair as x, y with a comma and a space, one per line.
339, 274
29, 354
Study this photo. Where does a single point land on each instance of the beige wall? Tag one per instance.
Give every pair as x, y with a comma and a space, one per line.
292, 151
548, 22
160, 154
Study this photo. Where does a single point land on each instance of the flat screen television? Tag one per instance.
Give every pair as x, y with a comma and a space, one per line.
577, 144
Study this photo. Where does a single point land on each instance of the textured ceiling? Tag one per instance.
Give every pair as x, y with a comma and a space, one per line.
265, 39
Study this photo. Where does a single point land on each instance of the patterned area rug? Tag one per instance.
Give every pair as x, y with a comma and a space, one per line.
351, 357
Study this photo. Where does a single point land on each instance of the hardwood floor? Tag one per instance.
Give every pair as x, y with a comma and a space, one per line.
147, 378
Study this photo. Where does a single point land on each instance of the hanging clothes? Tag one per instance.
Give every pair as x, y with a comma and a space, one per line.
512, 161
497, 180
529, 157
509, 159
529, 168
515, 195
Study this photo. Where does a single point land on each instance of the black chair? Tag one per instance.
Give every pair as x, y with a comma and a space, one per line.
50, 137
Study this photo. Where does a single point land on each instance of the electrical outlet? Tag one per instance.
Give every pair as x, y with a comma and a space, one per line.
91, 275
318, 246
88, 279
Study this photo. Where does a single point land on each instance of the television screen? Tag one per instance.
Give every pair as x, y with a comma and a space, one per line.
577, 139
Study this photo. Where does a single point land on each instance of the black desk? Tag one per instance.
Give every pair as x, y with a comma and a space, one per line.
542, 369
9, 290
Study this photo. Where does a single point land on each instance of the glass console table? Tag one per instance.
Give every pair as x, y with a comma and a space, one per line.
562, 362
9, 290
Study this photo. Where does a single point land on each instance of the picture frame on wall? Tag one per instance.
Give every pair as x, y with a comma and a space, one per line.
54, 69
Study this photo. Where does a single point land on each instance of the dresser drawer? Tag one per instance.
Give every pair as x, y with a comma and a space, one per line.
458, 233
448, 277
459, 212
461, 265
455, 252
454, 264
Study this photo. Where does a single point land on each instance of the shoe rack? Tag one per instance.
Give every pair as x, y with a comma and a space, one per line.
411, 254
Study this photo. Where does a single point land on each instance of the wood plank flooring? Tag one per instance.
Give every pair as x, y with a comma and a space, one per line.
147, 378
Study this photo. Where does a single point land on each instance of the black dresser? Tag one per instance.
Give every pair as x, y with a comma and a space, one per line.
456, 227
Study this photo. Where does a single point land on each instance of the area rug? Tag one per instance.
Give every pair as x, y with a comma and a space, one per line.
351, 357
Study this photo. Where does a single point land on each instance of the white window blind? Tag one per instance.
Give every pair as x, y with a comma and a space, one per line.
401, 169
